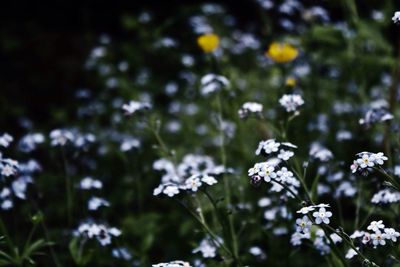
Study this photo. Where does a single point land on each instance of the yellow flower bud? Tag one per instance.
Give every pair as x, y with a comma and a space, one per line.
291, 82
282, 52
208, 42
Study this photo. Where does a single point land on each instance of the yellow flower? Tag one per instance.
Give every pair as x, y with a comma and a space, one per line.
282, 52
208, 42
291, 82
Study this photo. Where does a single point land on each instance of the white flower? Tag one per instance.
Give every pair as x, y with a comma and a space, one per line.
391, 234
60, 137
267, 172
366, 161
354, 166
322, 216
378, 239
336, 238
208, 179
306, 210
172, 264
211, 83
249, 108
303, 224
366, 238
291, 102
7, 170
376, 226
7, 204
158, 190
96, 202
171, 190
284, 175
207, 249
270, 146
396, 17
193, 183
134, 106
5, 140
285, 154
322, 205
351, 253
380, 157
90, 183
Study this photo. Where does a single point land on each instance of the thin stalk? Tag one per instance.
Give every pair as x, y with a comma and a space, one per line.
206, 228
393, 181
225, 178
68, 187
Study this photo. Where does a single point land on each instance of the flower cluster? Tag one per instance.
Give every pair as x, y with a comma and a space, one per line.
211, 83
100, 232
173, 264
377, 113
379, 235
270, 170
291, 102
385, 196
193, 172
367, 160
61, 137
250, 108
320, 214
135, 106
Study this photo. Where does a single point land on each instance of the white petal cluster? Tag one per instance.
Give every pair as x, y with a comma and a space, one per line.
386, 196
270, 146
134, 106
367, 160
173, 264
396, 17
5, 140
100, 232
193, 172
291, 102
250, 108
319, 152
61, 137
379, 235
30, 141
207, 248
211, 83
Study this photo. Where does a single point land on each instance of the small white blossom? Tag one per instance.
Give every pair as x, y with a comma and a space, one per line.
211, 83
171, 190
208, 179
350, 253
291, 102
5, 140
378, 238
285, 154
392, 234
268, 172
134, 106
396, 17
306, 210
303, 224
376, 226
88, 183
96, 202
193, 183
322, 216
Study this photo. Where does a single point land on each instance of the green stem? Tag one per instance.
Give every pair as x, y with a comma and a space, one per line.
225, 178
68, 187
206, 228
